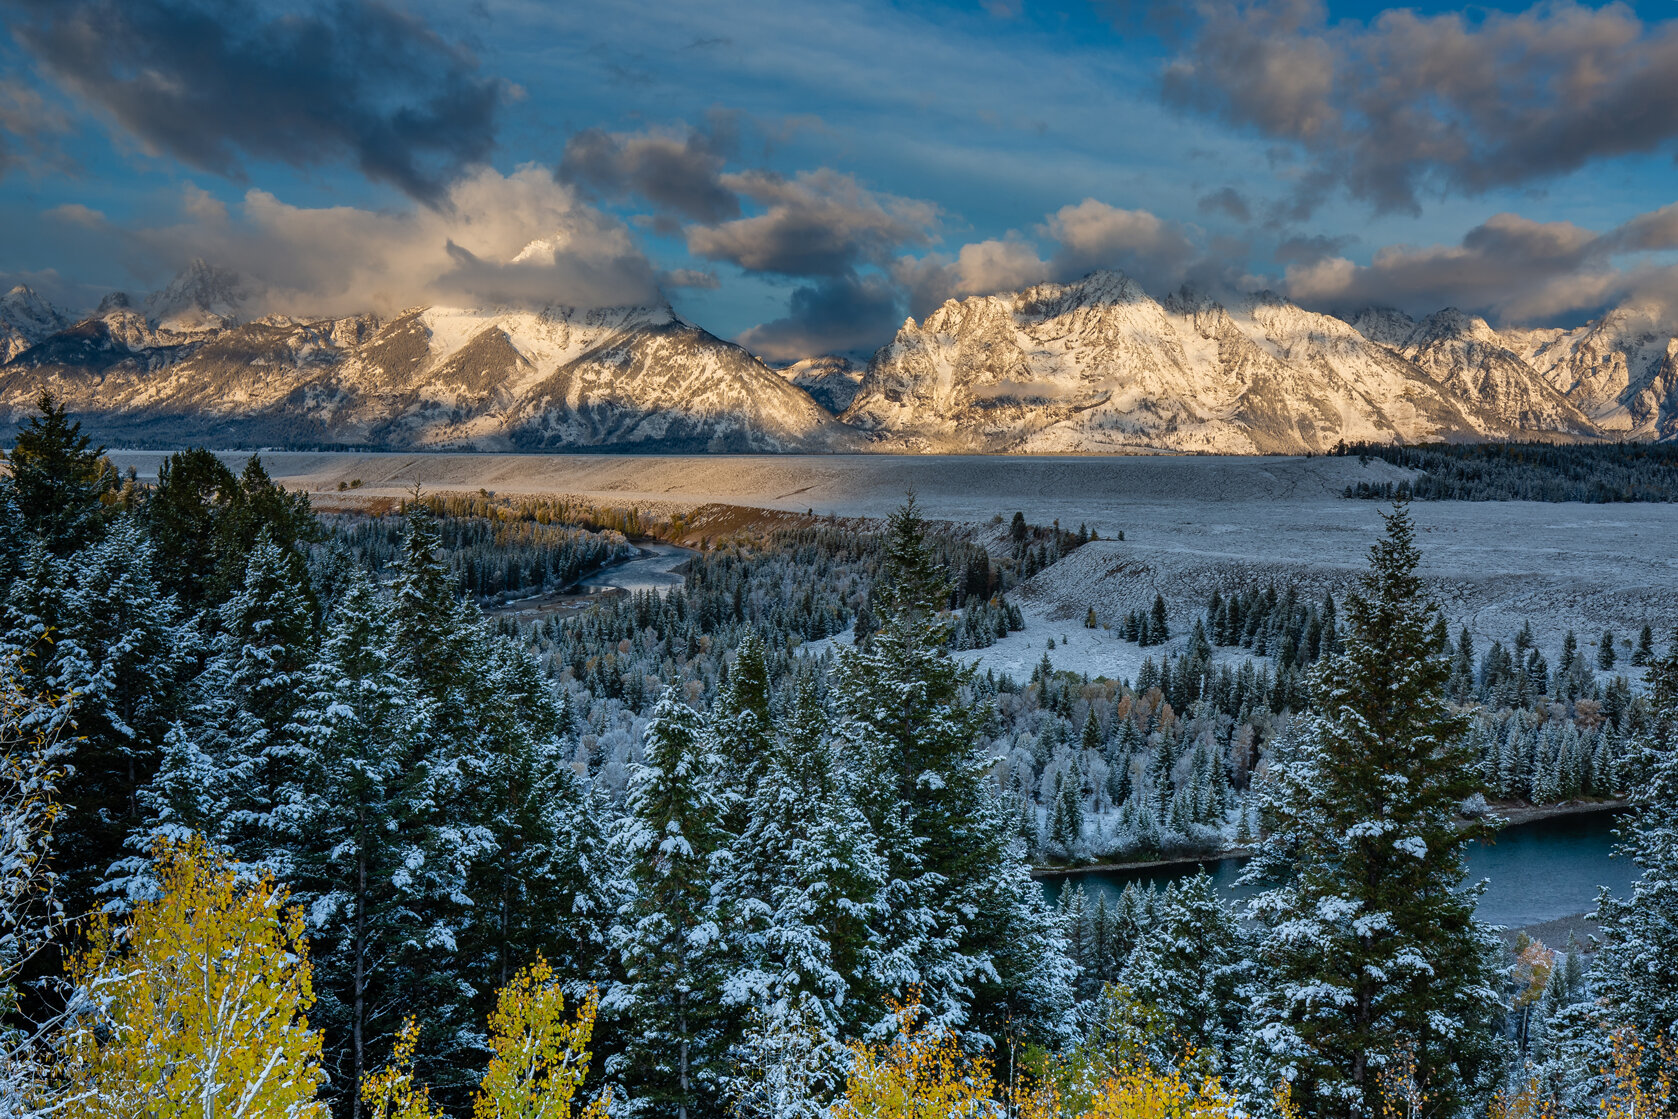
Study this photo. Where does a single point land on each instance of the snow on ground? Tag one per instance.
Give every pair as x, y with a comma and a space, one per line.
1091, 652
1191, 523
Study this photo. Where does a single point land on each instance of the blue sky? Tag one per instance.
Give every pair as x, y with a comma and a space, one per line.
802, 174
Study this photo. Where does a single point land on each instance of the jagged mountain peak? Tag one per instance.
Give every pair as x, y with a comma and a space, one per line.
22, 304
1387, 325
832, 379
1457, 325
26, 319
201, 297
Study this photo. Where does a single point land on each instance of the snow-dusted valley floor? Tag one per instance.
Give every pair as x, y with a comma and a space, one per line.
1191, 524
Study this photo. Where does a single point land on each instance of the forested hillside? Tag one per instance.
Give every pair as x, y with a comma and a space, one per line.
761, 844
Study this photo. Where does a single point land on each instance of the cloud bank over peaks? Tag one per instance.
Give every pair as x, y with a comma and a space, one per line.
498, 240
1086, 236
816, 223
1511, 269
1412, 103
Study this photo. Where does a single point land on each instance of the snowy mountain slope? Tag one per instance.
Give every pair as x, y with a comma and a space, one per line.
1620, 370
831, 379
1476, 365
562, 378
25, 319
1100, 365
1089, 367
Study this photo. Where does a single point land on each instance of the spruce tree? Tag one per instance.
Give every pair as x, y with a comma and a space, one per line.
369, 852
184, 516
1605, 654
806, 887
745, 725
1645, 651
668, 934
1187, 965
1369, 945
963, 906
59, 479
541, 883
1637, 968
95, 629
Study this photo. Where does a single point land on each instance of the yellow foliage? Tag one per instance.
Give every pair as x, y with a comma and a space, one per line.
922, 1074
1139, 1092
1531, 970
1133, 1091
1641, 1079
1529, 1102
541, 1057
201, 1003
391, 1092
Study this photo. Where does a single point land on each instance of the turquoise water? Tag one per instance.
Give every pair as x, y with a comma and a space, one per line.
1535, 872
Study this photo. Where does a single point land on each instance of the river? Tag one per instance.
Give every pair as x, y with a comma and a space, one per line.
656, 568
1535, 872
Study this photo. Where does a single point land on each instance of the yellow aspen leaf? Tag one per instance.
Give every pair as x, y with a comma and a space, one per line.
199, 1003
540, 1056
391, 1093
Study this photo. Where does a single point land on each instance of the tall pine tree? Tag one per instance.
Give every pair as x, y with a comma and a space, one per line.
968, 926
1369, 946
668, 935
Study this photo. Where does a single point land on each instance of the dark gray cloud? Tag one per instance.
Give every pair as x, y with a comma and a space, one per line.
844, 314
1305, 249
677, 171
1510, 269
1413, 103
1227, 201
29, 128
818, 223
215, 82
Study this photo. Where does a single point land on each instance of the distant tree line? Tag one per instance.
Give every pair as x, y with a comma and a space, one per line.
1593, 472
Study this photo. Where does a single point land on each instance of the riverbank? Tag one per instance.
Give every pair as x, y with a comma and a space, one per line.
1511, 813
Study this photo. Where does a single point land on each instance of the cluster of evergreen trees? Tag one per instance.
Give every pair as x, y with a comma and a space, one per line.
417, 782
1594, 472
735, 841
489, 559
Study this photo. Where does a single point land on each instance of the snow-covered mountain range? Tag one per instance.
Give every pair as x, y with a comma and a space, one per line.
184, 369
1092, 366
1099, 365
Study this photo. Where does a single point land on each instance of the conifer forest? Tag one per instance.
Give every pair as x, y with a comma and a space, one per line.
304, 814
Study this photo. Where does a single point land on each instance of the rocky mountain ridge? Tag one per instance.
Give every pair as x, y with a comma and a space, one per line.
1100, 366
185, 369
1094, 366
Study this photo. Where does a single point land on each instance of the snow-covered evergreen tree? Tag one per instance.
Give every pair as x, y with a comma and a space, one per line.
541, 885
1369, 942
1637, 968
805, 893
668, 935
986, 951
368, 849
1187, 965
95, 629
